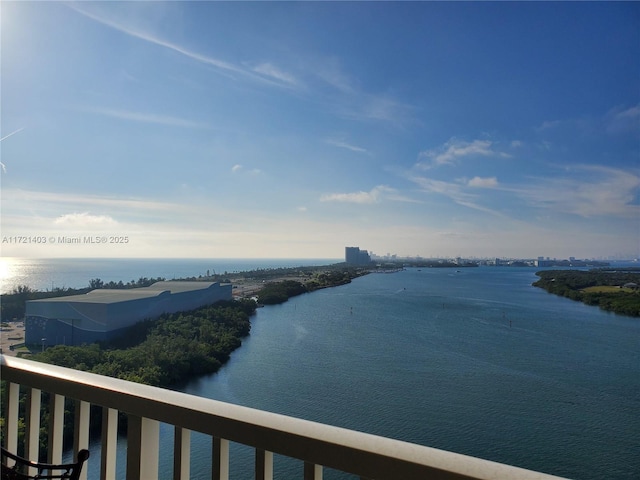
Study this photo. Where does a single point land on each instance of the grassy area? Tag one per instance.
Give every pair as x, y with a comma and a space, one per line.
607, 289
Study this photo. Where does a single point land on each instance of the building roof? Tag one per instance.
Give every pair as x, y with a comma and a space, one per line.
174, 286
107, 295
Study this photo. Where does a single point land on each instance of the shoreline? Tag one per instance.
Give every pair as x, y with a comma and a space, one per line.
613, 291
246, 285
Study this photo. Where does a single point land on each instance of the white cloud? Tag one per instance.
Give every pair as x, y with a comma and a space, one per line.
486, 182
456, 149
236, 168
85, 219
372, 196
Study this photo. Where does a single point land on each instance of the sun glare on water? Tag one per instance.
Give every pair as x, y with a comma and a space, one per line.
7, 271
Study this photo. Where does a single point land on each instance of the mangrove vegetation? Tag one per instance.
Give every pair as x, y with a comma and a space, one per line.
612, 290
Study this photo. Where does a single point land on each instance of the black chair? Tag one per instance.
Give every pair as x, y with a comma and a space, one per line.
20, 468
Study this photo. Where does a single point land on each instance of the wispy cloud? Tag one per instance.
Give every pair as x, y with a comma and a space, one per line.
71, 201
621, 121
368, 107
167, 120
381, 107
587, 191
456, 149
269, 70
221, 65
548, 125
2, 165
330, 72
343, 94
237, 169
348, 146
618, 120
375, 195
454, 191
12, 133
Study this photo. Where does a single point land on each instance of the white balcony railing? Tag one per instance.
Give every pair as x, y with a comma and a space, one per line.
317, 445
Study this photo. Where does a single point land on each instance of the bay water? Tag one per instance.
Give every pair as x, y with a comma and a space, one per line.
475, 361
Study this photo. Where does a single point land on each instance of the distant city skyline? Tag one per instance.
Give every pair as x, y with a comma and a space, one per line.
292, 129
375, 256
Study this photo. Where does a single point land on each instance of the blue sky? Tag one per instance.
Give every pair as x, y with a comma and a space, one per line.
206, 129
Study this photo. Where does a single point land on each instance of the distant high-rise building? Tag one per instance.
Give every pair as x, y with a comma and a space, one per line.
351, 254
355, 256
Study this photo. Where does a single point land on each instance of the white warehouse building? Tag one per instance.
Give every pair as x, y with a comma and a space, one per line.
102, 314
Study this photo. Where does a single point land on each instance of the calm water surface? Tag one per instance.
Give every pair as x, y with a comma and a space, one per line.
45, 274
474, 361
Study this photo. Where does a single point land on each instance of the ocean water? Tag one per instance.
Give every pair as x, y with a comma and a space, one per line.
47, 274
475, 361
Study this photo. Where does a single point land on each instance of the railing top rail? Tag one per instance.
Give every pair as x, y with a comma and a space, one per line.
347, 450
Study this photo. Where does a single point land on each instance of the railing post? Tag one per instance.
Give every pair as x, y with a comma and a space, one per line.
143, 443
220, 465
11, 422
56, 426
81, 431
32, 438
109, 443
181, 454
312, 471
264, 465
